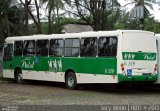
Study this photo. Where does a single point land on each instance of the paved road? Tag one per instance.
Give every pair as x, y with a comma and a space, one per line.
49, 93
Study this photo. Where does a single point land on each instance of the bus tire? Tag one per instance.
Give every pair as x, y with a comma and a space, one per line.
19, 77
70, 80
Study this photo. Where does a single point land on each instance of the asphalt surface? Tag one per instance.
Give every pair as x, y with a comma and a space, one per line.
38, 94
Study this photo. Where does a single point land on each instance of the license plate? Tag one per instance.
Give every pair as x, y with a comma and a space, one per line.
146, 73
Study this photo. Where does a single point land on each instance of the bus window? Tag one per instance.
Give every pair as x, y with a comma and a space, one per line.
72, 47
56, 47
18, 48
42, 47
88, 47
29, 48
8, 50
107, 46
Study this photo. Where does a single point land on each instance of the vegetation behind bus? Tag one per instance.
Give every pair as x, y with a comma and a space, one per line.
15, 16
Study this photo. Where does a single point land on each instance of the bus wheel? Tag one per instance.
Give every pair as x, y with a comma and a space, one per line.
19, 77
71, 81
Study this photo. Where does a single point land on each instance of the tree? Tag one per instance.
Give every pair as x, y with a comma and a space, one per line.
4, 8
96, 13
52, 6
145, 4
27, 3
124, 22
11, 19
152, 25
36, 18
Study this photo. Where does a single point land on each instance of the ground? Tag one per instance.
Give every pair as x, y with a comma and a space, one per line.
50, 93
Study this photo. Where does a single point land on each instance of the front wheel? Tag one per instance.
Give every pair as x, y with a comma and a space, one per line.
71, 81
19, 77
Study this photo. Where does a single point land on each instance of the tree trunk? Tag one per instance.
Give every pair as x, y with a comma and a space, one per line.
58, 19
103, 18
39, 29
142, 19
49, 21
8, 26
26, 31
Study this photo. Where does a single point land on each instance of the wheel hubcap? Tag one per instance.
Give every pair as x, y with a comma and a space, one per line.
20, 78
70, 81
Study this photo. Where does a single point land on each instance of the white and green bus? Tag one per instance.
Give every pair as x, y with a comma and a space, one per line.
80, 58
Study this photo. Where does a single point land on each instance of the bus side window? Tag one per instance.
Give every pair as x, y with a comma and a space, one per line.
113, 46
42, 47
107, 46
18, 48
72, 47
8, 51
89, 47
56, 47
29, 48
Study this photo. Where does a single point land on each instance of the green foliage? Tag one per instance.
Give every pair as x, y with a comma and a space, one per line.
152, 25
1, 79
11, 19
118, 20
52, 6
124, 22
15, 16
44, 26
56, 27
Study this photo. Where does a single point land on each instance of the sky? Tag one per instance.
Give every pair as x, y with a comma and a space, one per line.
155, 11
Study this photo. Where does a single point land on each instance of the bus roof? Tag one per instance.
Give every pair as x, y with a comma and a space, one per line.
74, 35
157, 35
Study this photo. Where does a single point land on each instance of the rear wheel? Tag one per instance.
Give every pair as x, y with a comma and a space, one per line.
71, 81
19, 77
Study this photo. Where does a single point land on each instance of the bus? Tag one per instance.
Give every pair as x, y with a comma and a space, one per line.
82, 58
158, 55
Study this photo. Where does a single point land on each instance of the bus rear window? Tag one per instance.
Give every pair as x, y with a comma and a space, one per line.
138, 43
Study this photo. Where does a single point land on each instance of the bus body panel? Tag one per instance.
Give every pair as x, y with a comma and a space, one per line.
158, 55
91, 69
139, 57
88, 70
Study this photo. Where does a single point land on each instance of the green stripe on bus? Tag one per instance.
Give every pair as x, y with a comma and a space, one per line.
138, 56
86, 65
124, 78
